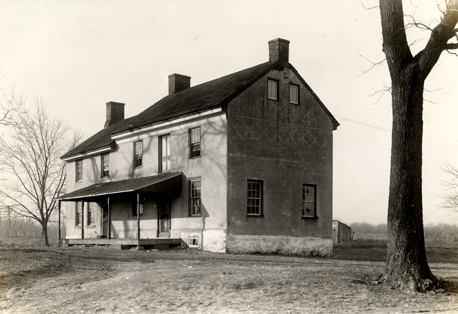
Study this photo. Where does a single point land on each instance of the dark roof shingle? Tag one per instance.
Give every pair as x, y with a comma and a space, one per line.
209, 95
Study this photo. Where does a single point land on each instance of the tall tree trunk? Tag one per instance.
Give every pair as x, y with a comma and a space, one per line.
406, 258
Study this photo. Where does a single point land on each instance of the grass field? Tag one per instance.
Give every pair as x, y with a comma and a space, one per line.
104, 280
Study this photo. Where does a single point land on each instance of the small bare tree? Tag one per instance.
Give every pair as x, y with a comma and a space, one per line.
33, 172
451, 200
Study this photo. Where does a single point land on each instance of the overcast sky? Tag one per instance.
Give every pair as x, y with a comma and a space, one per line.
78, 55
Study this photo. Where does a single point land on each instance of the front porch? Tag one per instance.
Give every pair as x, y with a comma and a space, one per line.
155, 243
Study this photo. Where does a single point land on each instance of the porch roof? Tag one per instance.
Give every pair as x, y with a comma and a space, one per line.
165, 182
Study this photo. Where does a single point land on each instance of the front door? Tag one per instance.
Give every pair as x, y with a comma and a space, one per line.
164, 219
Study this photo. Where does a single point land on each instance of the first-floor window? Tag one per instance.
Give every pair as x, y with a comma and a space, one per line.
79, 213
90, 214
195, 193
134, 208
308, 200
254, 198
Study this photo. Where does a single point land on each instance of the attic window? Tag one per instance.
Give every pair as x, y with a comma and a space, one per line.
272, 89
294, 94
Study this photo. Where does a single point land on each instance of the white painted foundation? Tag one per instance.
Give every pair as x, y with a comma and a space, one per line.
305, 246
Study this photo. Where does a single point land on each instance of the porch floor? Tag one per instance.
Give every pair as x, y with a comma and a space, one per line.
133, 242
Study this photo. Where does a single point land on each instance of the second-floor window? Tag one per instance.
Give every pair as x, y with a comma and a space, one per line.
79, 171
195, 142
138, 154
272, 89
164, 153
105, 161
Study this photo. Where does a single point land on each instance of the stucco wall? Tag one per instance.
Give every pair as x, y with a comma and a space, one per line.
285, 146
211, 167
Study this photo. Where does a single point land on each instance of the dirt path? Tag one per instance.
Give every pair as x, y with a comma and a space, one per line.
94, 280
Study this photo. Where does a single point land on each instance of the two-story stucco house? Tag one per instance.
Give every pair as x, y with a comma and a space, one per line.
242, 163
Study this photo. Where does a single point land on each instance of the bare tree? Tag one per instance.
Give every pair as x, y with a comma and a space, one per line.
30, 161
406, 258
451, 200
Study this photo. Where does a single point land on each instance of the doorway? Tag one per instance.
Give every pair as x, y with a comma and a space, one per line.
164, 219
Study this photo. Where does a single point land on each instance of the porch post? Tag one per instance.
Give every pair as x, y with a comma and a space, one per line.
138, 216
59, 219
109, 218
82, 219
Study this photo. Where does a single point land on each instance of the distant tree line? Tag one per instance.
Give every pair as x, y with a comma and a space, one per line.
437, 234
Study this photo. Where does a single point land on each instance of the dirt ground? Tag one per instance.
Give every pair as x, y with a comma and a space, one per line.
104, 280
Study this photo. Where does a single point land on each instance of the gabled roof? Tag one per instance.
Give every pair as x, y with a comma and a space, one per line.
213, 94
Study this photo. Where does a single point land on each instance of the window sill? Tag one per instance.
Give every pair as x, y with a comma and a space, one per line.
90, 226
200, 215
195, 157
254, 216
309, 217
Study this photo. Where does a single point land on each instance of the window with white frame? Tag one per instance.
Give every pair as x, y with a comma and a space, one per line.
254, 198
78, 214
79, 171
294, 94
138, 154
105, 165
272, 89
195, 196
164, 149
90, 214
308, 201
195, 142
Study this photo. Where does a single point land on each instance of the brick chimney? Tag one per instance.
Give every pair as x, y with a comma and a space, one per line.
178, 82
279, 50
115, 113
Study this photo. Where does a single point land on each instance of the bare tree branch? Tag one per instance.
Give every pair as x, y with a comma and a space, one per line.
10, 108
